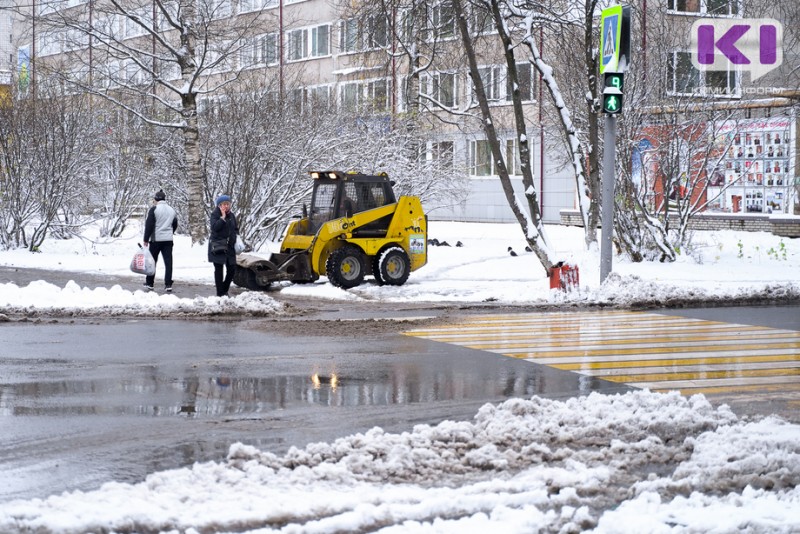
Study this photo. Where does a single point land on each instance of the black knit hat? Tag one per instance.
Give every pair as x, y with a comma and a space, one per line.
160, 195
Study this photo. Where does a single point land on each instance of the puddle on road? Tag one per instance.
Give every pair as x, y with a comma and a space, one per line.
151, 392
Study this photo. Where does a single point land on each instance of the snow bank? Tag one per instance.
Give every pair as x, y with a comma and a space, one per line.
638, 462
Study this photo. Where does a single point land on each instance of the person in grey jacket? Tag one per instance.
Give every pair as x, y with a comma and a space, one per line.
159, 226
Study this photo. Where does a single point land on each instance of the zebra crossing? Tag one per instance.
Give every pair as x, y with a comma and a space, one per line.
641, 349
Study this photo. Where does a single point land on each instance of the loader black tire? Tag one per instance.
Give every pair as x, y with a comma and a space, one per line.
393, 267
345, 267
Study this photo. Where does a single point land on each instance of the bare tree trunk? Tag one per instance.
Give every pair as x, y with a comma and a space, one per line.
531, 231
194, 171
586, 197
519, 119
191, 131
593, 118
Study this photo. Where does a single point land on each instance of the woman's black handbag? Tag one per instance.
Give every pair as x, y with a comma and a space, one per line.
219, 245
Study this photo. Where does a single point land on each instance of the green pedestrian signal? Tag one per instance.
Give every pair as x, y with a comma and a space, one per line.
612, 103
613, 84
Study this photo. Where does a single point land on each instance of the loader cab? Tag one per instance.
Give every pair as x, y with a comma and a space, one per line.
338, 194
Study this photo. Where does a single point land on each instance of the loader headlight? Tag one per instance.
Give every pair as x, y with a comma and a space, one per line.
315, 175
332, 175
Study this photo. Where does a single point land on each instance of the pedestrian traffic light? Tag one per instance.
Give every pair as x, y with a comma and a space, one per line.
613, 84
612, 103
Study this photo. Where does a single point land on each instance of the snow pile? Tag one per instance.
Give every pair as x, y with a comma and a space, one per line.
75, 300
639, 462
631, 291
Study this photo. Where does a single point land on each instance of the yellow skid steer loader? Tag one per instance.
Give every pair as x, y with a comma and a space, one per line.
355, 227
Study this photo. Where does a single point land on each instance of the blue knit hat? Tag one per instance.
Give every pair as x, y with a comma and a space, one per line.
223, 198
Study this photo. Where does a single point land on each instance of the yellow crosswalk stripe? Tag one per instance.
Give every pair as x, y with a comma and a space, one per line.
642, 349
700, 359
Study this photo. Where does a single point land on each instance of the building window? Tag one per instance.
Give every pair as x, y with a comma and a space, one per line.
134, 24
270, 44
526, 83
170, 70
259, 51
134, 74
711, 7
722, 83
443, 21
722, 7
491, 78
481, 21
684, 79
319, 96
480, 158
348, 35
372, 95
481, 162
356, 37
319, 41
378, 94
442, 152
377, 32
350, 96
497, 83
218, 9
296, 45
218, 57
305, 42
246, 6
440, 87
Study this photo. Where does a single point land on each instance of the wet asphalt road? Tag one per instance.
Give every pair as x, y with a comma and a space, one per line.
84, 404
93, 401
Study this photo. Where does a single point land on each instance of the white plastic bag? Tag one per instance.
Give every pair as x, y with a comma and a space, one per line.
239, 246
143, 262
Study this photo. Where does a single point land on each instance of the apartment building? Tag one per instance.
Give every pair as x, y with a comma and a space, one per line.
320, 51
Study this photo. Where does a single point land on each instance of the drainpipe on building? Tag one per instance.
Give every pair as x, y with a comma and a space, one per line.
91, 47
644, 42
280, 50
32, 59
153, 44
394, 62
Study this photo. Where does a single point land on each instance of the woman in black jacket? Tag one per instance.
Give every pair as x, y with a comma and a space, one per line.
221, 243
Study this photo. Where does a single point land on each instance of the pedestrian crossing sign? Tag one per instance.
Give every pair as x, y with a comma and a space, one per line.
610, 37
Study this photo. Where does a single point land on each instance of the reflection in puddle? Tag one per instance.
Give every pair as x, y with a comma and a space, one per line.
330, 380
152, 392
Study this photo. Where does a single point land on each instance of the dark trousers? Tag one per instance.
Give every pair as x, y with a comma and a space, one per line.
223, 284
165, 249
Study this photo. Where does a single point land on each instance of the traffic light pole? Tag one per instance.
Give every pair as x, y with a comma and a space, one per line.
615, 46
607, 206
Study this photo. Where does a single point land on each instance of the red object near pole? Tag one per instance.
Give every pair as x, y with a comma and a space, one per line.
564, 277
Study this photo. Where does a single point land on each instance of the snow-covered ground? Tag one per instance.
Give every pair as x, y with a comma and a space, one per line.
639, 462
720, 265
